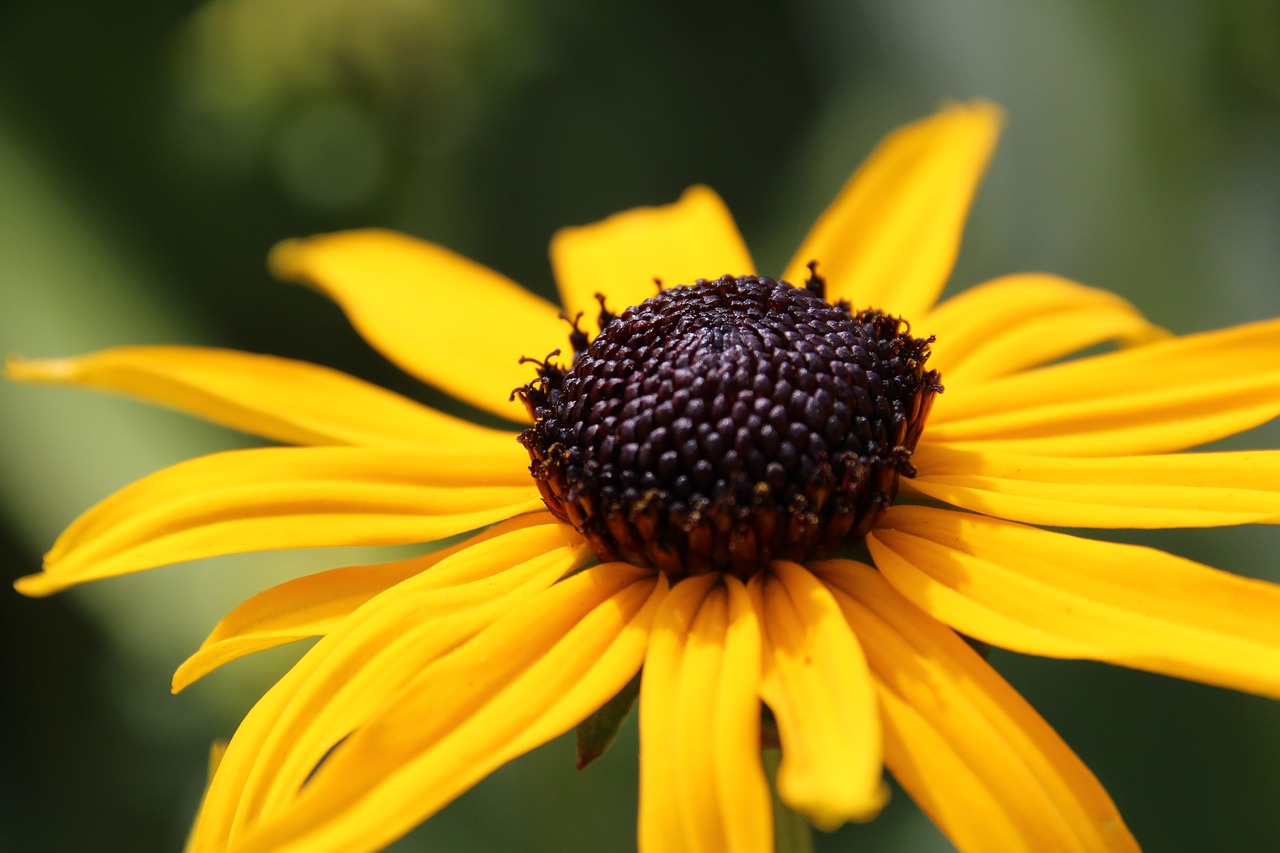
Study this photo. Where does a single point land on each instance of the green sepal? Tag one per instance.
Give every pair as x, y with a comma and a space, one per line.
598, 732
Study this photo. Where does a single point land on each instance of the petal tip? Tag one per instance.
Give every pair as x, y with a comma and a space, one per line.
19, 369
830, 815
701, 194
38, 585
979, 111
698, 196
185, 675
975, 125
285, 260
295, 259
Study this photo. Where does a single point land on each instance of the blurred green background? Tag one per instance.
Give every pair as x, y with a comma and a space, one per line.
150, 154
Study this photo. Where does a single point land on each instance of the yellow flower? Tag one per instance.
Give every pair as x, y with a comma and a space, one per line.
432, 672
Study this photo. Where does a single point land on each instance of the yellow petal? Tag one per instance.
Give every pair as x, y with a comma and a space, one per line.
383, 644
891, 237
313, 605
818, 686
524, 680
216, 751
357, 677
977, 758
1012, 323
1164, 396
622, 255
1046, 593
1174, 490
445, 319
285, 497
278, 398
662, 824
702, 785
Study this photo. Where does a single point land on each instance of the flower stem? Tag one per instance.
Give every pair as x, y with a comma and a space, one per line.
792, 832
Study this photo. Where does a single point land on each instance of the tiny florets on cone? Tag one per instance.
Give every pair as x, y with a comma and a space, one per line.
720, 425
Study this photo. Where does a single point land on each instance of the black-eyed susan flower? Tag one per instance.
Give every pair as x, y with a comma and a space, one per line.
795, 500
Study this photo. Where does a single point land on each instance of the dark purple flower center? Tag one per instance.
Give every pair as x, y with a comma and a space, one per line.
720, 425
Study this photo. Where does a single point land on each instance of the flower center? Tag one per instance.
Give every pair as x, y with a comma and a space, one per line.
720, 425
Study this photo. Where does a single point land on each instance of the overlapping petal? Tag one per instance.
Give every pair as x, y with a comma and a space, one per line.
702, 785
521, 681
818, 686
446, 319
216, 751
1046, 593
891, 237
291, 401
1157, 398
1019, 321
314, 605
398, 632
1171, 490
621, 256
286, 497
354, 673
977, 758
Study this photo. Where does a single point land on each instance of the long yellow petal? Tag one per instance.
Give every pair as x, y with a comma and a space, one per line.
524, 680
383, 644
284, 497
661, 825
1174, 490
314, 605
278, 398
445, 319
818, 686
891, 237
216, 750
1047, 593
702, 785
1019, 321
977, 758
622, 255
357, 678
1165, 396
